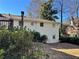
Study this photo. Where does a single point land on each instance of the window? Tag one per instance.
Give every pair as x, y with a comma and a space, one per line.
53, 36
41, 24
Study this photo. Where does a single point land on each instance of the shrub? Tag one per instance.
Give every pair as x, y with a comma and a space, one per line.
43, 38
4, 39
73, 40
38, 38
22, 44
17, 44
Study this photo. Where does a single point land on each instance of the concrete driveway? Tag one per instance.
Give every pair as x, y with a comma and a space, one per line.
67, 48
62, 51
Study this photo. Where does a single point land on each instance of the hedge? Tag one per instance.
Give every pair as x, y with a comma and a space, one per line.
73, 40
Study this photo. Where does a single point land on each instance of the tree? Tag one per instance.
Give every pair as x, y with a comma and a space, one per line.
34, 8
60, 9
47, 11
61, 5
76, 7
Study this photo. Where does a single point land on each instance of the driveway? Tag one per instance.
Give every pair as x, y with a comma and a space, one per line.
62, 51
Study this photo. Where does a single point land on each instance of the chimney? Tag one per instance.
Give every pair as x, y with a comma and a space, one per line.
22, 17
9, 14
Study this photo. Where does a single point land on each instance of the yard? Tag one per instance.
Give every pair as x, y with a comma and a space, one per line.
62, 51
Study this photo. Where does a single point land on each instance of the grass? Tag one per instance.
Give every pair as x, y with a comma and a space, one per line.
73, 52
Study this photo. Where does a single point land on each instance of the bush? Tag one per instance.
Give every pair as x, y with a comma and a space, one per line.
38, 38
5, 39
43, 38
16, 44
73, 40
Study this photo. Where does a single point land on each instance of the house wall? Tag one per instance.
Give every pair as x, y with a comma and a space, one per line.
49, 29
16, 23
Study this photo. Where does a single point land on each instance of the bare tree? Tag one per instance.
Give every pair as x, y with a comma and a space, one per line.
71, 9
60, 8
61, 5
74, 8
77, 7
34, 8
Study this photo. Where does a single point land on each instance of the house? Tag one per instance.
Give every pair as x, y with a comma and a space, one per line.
44, 27
72, 28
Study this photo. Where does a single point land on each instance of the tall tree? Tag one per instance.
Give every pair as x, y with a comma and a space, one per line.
74, 8
77, 7
61, 10
61, 5
34, 8
47, 11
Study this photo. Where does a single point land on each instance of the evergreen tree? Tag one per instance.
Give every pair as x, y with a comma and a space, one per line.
47, 12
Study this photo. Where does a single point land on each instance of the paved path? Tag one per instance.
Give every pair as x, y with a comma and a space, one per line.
62, 51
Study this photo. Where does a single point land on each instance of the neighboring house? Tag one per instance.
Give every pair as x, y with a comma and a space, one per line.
44, 27
72, 28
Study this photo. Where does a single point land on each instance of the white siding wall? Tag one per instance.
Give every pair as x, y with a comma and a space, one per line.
16, 23
48, 29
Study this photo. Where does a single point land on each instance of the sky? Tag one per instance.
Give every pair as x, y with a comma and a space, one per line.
14, 6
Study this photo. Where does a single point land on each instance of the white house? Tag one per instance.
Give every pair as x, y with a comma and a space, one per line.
44, 27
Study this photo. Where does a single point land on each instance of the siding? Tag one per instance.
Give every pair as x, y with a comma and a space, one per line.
48, 29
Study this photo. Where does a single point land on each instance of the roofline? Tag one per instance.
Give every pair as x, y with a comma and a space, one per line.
38, 20
29, 19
